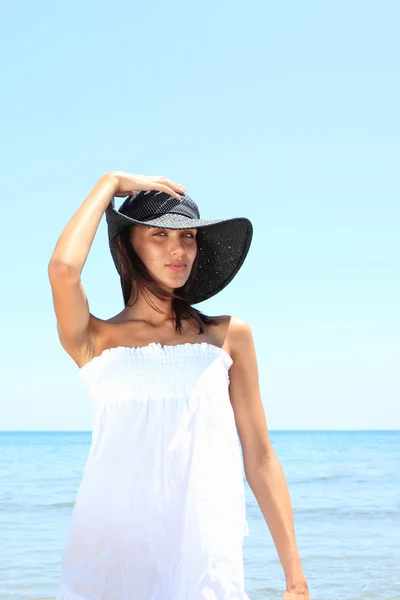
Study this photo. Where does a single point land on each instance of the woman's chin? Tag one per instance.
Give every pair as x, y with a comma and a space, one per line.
172, 283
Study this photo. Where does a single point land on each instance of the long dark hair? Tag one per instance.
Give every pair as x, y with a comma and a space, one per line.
135, 277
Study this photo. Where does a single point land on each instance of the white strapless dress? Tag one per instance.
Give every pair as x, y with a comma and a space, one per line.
160, 511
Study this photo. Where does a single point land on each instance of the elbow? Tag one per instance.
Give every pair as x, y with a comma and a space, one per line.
59, 269
254, 464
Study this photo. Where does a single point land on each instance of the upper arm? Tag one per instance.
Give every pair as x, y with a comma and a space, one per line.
72, 310
245, 397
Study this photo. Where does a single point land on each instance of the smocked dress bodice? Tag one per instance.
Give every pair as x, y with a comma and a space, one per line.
160, 511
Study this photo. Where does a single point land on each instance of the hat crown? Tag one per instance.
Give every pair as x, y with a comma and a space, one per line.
146, 205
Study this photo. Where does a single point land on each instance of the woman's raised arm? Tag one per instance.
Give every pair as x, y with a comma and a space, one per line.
66, 264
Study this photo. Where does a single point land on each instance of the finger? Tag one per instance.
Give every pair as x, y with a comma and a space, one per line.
170, 183
169, 190
177, 186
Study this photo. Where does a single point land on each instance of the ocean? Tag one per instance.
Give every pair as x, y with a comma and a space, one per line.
344, 488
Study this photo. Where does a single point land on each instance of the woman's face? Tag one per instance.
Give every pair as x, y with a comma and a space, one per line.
160, 248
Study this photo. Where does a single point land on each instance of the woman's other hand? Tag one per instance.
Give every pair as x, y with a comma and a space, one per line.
129, 183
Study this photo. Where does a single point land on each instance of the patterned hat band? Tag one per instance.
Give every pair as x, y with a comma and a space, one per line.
144, 206
183, 213
222, 244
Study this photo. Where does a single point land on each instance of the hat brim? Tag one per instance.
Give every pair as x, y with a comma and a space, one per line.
222, 244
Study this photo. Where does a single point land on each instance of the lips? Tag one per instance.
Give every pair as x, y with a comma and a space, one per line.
176, 263
177, 266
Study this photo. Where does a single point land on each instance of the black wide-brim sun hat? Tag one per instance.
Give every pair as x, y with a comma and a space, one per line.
222, 244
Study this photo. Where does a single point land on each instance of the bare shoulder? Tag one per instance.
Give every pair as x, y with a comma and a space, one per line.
218, 332
240, 336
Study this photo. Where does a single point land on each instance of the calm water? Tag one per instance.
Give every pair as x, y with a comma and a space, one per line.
345, 491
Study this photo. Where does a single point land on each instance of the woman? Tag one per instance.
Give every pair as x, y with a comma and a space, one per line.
160, 511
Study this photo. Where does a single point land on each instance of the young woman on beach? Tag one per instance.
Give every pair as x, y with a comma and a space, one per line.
160, 511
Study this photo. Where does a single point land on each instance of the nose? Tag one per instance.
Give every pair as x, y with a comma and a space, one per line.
176, 245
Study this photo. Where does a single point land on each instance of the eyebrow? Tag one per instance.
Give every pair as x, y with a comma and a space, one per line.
168, 229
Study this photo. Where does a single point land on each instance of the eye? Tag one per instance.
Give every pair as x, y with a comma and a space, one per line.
163, 233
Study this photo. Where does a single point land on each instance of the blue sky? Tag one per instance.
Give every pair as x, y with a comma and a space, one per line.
286, 113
